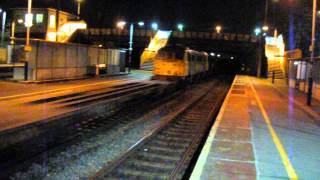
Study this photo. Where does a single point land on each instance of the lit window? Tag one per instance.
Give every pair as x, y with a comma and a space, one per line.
52, 21
39, 18
20, 21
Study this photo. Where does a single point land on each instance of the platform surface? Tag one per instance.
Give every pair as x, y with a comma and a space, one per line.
263, 131
21, 104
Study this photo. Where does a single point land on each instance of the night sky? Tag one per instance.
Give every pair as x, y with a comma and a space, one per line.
233, 15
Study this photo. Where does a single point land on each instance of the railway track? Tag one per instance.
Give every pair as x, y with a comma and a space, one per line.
167, 152
16, 158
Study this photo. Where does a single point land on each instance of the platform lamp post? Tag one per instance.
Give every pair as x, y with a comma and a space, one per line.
312, 48
79, 8
265, 27
28, 24
27, 48
121, 25
3, 24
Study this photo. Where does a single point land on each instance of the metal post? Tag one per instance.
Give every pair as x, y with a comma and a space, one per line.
130, 46
79, 8
273, 77
13, 27
260, 54
57, 19
28, 27
266, 13
26, 68
4, 15
312, 47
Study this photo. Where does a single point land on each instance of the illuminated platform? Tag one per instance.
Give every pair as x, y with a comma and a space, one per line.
263, 131
23, 104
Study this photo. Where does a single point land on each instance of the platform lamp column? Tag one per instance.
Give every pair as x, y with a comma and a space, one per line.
312, 48
28, 24
79, 8
27, 48
4, 16
130, 45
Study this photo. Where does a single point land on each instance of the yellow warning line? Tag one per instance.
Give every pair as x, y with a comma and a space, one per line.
55, 90
284, 156
196, 174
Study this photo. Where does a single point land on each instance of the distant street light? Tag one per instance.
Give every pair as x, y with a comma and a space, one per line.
219, 55
180, 27
212, 54
121, 24
218, 29
257, 31
265, 28
141, 23
79, 8
154, 26
20, 21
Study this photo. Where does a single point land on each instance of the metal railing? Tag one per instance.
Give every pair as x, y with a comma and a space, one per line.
175, 34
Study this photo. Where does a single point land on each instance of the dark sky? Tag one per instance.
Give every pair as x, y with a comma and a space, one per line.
233, 15
236, 15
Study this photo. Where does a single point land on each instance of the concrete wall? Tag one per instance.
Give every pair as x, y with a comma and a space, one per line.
49, 60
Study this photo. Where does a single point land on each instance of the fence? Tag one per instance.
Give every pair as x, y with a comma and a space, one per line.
299, 72
49, 60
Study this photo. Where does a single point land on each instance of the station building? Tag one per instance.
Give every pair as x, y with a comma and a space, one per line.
48, 24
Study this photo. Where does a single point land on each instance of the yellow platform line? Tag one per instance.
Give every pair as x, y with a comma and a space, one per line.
284, 156
197, 172
61, 89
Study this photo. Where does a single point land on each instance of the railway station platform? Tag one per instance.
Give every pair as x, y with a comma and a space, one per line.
263, 131
23, 104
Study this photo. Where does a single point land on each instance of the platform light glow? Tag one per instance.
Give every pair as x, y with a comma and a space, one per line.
154, 26
218, 29
212, 54
232, 58
257, 31
141, 23
121, 24
219, 55
20, 21
265, 28
180, 27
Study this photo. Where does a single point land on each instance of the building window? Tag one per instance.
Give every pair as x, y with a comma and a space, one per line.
52, 21
39, 18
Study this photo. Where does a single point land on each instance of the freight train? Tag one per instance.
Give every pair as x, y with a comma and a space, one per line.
181, 63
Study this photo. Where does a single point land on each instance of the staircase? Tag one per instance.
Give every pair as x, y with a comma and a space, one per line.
147, 66
275, 66
157, 42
